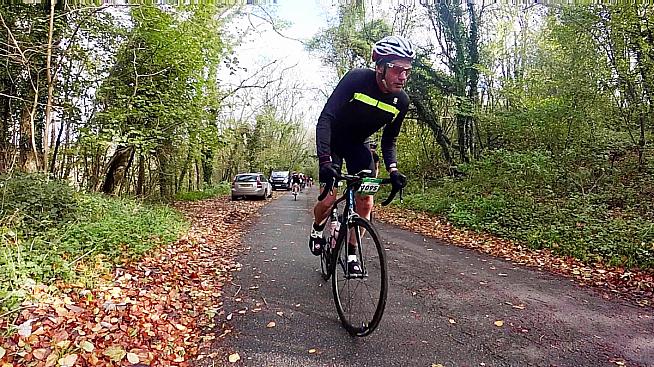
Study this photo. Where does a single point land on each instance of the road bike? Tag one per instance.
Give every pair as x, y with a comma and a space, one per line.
360, 298
295, 189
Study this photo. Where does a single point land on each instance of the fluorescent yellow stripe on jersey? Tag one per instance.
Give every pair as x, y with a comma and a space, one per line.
376, 103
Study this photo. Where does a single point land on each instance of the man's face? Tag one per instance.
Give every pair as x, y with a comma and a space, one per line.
397, 72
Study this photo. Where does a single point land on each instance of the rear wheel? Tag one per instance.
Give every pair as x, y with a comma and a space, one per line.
360, 300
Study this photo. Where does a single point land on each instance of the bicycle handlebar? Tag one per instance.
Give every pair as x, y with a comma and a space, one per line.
351, 179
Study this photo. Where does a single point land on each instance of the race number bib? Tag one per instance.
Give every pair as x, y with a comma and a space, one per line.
369, 186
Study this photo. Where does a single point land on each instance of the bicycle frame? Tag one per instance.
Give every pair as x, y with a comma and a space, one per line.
349, 212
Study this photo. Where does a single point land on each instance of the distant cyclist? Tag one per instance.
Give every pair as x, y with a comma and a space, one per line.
295, 182
363, 102
303, 181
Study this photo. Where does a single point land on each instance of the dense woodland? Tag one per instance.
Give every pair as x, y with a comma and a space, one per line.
531, 122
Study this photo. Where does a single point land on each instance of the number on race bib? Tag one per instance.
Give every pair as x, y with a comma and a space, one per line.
369, 186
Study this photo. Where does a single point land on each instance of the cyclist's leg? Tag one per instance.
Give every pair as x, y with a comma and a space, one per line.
321, 212
359, 158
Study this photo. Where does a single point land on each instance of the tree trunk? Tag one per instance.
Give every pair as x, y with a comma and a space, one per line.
4, 128
198, 174
207, 166
56, 148
28, 158
116, 169
141, 176
166, 177
428, 118
50, 81
182, 175
461, 122
472, 77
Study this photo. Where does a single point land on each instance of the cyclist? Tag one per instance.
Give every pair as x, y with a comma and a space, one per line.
363, 102
295, 181
303, 182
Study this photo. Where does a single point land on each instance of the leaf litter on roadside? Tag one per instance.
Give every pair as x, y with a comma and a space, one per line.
635, 285
157, 311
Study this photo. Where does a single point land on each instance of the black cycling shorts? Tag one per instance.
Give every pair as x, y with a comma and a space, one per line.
357, 157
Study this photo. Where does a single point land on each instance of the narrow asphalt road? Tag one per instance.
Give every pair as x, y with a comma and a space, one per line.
443, 304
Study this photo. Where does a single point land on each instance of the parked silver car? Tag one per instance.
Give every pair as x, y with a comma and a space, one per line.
251, 185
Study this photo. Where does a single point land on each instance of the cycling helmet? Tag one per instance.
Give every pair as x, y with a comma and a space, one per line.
392, 47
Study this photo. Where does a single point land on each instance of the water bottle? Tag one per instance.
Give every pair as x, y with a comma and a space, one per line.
333, 230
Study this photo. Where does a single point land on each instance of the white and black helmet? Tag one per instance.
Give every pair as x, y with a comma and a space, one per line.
391, 47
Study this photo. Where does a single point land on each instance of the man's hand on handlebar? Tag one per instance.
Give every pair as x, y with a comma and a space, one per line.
398, 180
327, 172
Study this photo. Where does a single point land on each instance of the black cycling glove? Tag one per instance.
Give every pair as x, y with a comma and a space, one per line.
398, 180
327, 173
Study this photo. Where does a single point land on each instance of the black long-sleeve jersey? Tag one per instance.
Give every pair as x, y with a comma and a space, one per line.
356, 109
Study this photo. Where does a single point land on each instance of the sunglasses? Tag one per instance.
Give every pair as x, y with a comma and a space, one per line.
397, 69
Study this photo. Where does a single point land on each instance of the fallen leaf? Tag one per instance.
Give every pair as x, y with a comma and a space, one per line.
93, 359
68, 360
436, 365
115, 352
133, 358
280, 313
52, 359
37, 353
312, 351
63, 344
2, 352
25, 329
499, 323
234, 357
271, 324
86, 346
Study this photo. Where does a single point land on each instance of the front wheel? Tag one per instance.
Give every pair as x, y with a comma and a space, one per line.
360, 300
326, 259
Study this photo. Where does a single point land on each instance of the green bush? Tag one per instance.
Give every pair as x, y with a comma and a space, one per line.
121, 229
34, 201
527, 197
222, 188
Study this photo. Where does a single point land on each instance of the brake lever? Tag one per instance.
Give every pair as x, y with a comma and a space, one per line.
326, 190
390, 198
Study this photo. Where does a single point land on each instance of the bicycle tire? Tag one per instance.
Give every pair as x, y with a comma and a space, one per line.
360, 320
